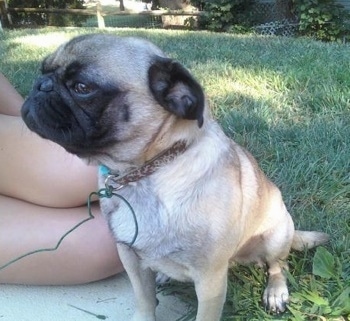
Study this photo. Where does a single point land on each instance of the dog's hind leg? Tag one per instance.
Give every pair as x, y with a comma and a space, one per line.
277, 244
211, 289
143, 283
276, 294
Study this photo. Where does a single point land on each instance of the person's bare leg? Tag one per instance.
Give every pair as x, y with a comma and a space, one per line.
10, 100
87, 254
40, 171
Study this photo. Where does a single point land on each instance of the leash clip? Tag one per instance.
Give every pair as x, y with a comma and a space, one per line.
111, 185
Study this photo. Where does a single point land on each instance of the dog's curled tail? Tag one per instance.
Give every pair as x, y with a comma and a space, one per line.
307, 239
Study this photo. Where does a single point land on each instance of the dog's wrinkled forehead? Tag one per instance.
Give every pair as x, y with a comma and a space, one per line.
120, 55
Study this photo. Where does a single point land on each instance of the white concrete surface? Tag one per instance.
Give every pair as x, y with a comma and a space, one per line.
110, 299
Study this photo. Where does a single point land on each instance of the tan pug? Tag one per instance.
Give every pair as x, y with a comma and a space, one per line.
200, 201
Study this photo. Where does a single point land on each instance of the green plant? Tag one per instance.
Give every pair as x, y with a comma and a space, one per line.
322, 19
47, 19
324, 293
226, 15
190, 23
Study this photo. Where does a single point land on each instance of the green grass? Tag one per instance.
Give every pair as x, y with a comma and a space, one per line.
288, 102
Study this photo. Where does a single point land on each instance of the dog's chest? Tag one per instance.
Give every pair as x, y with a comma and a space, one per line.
164, 235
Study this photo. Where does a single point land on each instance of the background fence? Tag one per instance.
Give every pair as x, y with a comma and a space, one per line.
136, 14
273, 17
108, 14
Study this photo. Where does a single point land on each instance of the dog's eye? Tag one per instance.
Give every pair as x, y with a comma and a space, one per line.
82, 89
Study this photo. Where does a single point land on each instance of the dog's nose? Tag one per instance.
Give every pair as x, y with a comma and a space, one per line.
46, 85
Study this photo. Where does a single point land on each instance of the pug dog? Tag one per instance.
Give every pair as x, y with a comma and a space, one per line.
199, 200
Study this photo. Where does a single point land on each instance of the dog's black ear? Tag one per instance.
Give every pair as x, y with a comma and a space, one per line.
176, 90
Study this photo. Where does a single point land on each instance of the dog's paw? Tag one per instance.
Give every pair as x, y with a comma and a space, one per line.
275, 298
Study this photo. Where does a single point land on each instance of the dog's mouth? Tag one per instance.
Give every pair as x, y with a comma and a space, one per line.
67, 133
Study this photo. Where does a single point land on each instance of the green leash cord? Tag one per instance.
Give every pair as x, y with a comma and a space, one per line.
108, 193
102, 193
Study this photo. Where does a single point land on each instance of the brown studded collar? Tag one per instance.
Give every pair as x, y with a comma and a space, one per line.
116, 182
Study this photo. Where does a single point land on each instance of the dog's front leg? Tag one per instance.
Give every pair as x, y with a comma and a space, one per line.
211, 289
143, 283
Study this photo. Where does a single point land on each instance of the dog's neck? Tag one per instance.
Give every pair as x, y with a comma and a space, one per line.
115, 181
